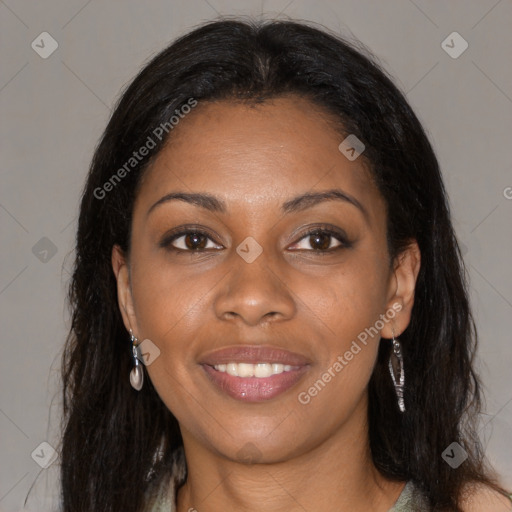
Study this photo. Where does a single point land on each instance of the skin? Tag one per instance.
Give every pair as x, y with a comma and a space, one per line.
293, 296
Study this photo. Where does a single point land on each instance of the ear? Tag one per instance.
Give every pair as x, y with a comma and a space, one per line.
124, 293
402, 285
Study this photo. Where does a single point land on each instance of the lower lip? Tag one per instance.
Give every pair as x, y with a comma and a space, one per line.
254, 389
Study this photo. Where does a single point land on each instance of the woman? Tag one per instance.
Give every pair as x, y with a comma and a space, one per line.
268, 293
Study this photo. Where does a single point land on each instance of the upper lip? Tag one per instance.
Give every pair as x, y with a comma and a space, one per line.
253, 354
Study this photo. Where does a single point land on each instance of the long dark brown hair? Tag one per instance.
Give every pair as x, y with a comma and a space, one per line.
111, 433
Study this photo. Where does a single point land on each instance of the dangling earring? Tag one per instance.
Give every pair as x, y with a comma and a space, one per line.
137, 373
396, 368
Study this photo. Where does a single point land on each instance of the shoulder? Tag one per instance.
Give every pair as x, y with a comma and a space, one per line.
482, 498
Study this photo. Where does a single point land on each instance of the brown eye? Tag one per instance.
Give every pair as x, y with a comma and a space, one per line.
322, 240
190, 241
195, 241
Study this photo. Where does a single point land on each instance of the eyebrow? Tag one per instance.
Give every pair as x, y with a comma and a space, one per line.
206, 201
310, 199
299, 203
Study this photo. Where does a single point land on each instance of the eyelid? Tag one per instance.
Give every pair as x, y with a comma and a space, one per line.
328, 229
177, 233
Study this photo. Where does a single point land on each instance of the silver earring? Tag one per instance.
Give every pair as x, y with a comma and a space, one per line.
396, 368
137, 373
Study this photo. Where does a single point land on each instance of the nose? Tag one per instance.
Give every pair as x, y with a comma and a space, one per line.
254, 293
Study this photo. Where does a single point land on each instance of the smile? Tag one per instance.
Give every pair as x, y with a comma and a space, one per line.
254, 373
258, 370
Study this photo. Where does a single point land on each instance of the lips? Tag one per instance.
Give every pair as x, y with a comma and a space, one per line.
254, 388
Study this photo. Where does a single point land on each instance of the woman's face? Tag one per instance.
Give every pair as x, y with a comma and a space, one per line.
255, 282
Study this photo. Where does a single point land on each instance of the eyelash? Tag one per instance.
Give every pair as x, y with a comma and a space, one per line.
335, 233
322, 230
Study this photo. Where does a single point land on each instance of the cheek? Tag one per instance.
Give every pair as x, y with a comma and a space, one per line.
350, 299
169, 301
169, 307
346, 310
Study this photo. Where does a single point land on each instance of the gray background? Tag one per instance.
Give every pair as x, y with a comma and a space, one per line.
53, 110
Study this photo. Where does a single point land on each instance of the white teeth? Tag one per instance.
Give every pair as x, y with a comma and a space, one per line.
277, 368
232, 369
260, 370
245, 370
263, 370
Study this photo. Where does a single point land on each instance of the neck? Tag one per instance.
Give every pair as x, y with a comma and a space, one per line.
337, 474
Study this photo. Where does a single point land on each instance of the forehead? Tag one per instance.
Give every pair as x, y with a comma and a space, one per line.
255, 153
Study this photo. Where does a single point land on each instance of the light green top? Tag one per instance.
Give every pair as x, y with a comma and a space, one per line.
410, 500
